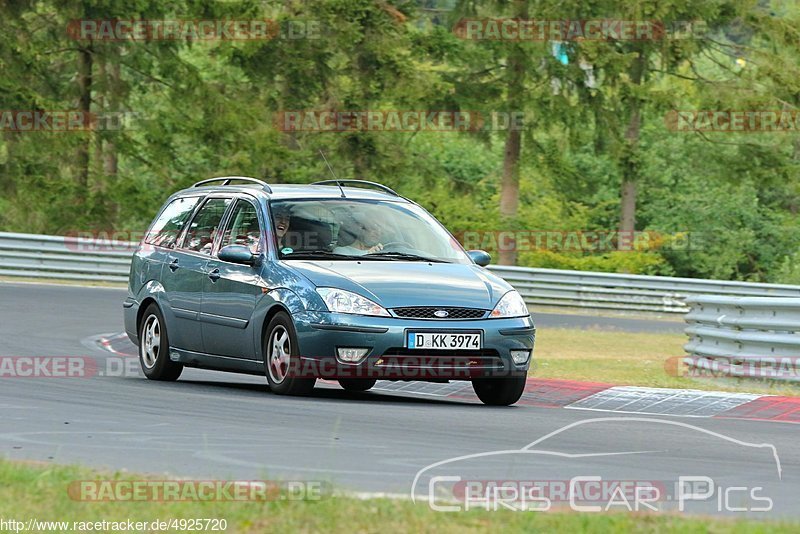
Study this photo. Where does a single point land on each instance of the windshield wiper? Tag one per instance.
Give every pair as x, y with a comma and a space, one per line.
317, 254
405, 256
312, 254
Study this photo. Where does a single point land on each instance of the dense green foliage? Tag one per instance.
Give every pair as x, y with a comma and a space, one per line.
208, 108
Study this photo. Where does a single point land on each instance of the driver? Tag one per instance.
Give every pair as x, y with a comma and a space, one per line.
359, 236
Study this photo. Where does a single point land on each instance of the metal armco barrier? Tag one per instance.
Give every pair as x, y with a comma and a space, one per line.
64, 258
71, 258
755, 337
582, 289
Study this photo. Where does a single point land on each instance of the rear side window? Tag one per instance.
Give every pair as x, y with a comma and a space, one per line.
206, 225
168, 225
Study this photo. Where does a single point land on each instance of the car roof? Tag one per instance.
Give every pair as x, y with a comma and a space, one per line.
295, 191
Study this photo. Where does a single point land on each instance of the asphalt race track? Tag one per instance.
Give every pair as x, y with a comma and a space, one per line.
217, 425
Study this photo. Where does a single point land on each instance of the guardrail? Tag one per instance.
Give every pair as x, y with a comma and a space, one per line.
64, 258
753, 337
581, 289
74, 258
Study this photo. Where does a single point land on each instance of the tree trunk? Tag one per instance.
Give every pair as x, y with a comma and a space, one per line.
627, 219
509, 185
8, 184
600, 125
100, 88
84, 105
110, 160
509, 193
630, 165
108, 157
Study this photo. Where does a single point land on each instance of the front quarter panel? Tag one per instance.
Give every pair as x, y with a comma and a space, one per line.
283, 299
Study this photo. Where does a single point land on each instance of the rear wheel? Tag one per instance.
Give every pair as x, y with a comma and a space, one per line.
357, 384
281, 358
499, 391
154, 347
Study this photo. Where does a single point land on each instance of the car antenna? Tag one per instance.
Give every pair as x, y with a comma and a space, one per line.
321, 153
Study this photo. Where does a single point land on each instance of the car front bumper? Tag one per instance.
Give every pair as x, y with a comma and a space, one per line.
321, 334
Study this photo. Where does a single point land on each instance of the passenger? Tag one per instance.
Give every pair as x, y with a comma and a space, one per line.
282, 222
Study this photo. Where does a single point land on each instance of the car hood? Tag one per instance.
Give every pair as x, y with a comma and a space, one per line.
395, 284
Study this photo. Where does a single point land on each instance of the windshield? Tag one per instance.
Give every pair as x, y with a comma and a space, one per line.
345, 229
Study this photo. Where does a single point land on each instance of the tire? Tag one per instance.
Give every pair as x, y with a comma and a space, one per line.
357, 384
499, 391
154, 347
280, 351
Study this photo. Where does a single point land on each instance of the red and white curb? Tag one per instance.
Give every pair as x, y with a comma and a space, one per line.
657, 401
593, 396
576, 395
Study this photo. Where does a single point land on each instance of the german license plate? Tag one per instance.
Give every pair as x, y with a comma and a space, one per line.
444, 341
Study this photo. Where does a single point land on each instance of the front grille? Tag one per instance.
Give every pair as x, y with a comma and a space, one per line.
429, 312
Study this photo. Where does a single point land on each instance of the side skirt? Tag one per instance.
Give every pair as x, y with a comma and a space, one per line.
212, 362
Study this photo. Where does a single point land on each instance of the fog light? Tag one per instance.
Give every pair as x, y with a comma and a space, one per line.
351, 355
520, 356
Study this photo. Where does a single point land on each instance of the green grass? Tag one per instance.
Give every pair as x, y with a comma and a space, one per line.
38, 490
629, 358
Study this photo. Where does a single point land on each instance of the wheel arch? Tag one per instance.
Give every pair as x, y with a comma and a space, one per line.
274, 310
151, 293
142, 307
283, 300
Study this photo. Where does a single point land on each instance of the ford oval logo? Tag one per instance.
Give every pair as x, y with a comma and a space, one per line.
441, 314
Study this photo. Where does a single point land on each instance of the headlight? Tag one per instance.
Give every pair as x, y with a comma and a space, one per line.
341, 301
511, 305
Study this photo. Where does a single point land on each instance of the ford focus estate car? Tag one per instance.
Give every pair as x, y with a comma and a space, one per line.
341, 280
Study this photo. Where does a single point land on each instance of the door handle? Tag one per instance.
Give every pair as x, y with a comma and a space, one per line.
173, 265
214, 275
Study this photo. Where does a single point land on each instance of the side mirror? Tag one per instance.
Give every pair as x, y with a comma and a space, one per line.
481, 257
237, 254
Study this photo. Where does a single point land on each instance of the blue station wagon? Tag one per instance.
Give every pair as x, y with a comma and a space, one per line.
340, 280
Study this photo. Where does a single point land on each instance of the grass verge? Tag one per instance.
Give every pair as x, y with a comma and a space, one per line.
630, 358
37, 490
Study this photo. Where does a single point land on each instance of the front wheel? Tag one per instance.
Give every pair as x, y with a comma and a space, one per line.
154, 347
281, 358
499, 391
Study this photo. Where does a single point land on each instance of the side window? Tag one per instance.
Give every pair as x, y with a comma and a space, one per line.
243, 228
165, 230
205, 226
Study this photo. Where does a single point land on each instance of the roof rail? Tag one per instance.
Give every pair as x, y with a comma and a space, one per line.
226, 180
361, 182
